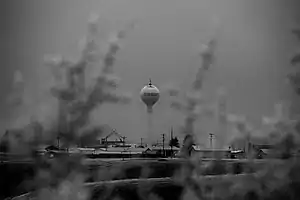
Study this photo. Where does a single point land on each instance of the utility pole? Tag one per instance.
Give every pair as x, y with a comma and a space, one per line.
247, 146
58, 138
163, 135
142, 142
172, 141
124, 137
210, 139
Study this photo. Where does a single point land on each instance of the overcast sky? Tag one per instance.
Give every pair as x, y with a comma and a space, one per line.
255, 44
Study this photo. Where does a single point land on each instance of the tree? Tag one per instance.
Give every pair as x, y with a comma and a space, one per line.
187, 146
296, 58
286, 145
4, 143
174, 142
77, 99
294, 75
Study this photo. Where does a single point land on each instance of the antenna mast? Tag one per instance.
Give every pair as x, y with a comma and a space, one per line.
150, 82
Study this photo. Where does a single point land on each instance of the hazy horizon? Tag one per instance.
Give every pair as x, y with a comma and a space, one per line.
254, 47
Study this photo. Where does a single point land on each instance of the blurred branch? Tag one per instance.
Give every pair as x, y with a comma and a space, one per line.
177, 105
116, 97
296, 32
171, 90
295, 59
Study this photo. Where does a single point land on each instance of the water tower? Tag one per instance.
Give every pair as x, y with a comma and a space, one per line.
150, 95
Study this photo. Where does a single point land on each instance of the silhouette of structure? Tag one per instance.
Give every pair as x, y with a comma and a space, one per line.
150, 95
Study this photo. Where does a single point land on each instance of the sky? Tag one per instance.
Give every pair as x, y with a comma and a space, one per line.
254, 47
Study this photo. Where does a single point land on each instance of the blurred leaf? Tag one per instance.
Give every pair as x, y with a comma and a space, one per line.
171, 90
177, 105
189, 195
208, 111
296, 31
234, 118
295, 59
112, 80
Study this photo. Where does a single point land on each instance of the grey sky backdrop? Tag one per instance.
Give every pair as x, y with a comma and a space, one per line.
255, 44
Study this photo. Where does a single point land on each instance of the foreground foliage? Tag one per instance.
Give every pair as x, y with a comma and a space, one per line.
65, 177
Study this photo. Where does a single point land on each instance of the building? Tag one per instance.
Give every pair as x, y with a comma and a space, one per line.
258, 147
210, 153
166, 151
114, 138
